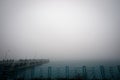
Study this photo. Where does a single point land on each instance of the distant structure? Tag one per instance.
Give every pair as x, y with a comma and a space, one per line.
9, 68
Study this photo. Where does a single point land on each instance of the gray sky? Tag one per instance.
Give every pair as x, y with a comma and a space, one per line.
60, 29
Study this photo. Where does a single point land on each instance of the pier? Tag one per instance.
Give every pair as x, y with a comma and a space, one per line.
10, 68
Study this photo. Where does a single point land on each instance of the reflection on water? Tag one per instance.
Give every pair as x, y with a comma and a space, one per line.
71, 71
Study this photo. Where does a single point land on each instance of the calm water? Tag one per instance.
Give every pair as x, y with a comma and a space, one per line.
56, 69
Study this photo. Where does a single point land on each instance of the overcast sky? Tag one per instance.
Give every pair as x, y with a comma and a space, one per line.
60, 29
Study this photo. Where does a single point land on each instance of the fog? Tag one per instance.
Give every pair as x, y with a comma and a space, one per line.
60, 29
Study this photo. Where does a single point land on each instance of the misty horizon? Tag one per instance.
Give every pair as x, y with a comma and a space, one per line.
60, 30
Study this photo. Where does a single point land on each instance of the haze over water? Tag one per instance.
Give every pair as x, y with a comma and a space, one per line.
60, 30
